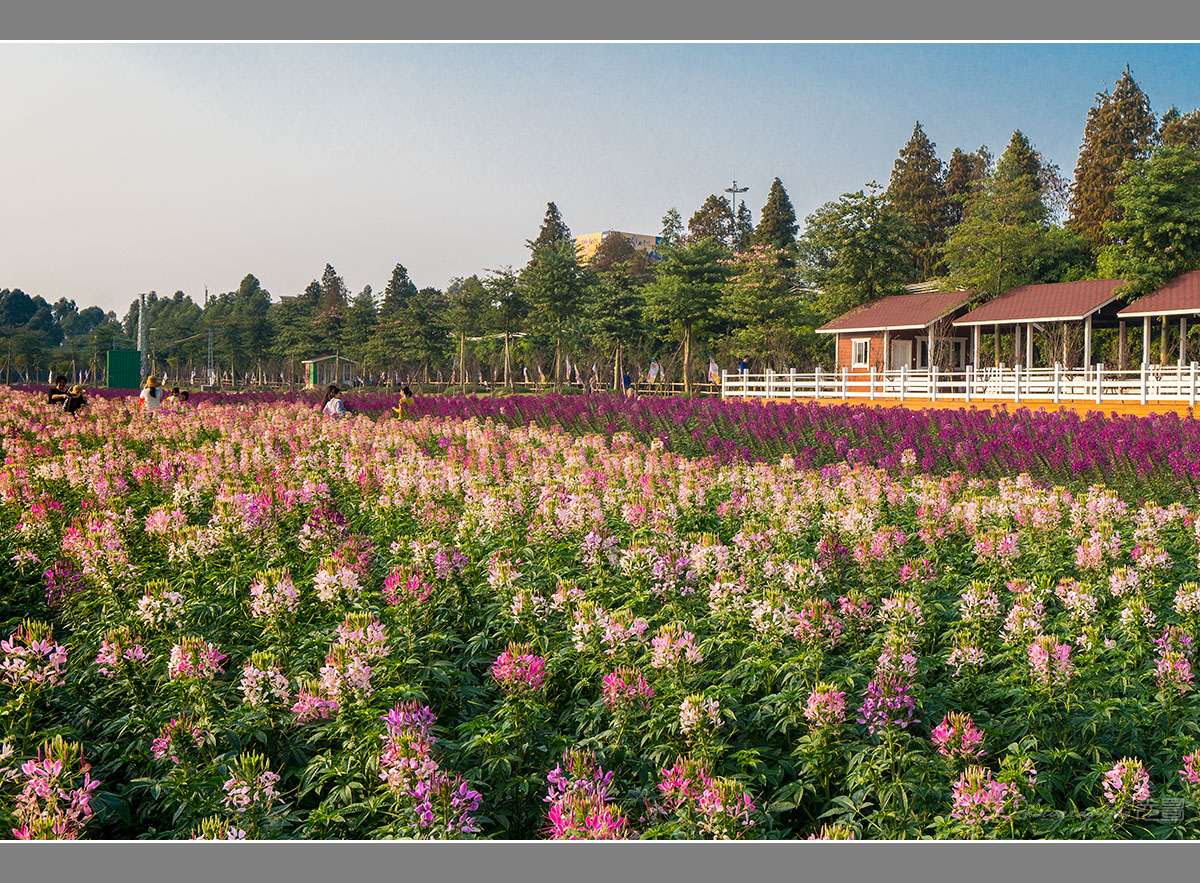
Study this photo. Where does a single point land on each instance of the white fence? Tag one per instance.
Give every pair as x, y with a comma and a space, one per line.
1149, 383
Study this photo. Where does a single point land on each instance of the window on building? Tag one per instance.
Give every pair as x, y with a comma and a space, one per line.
860, 350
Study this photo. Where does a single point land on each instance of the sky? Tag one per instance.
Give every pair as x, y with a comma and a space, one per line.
140, 167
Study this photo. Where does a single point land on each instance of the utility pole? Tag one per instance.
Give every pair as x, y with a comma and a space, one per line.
211, 376
141, 341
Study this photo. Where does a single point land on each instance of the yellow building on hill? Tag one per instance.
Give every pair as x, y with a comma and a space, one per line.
589, 243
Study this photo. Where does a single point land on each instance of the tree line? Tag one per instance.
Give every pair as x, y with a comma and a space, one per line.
720, 287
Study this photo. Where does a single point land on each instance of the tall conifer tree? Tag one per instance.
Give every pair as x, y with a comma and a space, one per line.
917, 190
1120, 126
777, 223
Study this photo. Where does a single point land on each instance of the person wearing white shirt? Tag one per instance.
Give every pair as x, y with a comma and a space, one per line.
332, 403
152, 394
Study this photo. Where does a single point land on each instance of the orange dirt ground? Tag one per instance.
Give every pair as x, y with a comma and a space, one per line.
1121, 409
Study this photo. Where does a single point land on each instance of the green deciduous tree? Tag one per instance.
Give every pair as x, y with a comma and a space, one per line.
1120, 126
507, 311
553, 285
685, 292
761, 303
468, 301
1157, 236
615, 305
854, 250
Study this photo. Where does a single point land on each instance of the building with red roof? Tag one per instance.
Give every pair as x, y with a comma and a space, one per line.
900, 331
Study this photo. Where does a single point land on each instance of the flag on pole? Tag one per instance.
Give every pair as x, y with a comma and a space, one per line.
714, 373
541, 374
567, 359
653, 372
525, 371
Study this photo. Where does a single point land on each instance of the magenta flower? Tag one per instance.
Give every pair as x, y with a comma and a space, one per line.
958, 737
1050, 661
32, 657
518, 671
1126, 784
626, 689
887, 703
826, 707
978, 798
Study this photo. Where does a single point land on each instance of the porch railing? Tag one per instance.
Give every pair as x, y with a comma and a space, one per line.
1098, 384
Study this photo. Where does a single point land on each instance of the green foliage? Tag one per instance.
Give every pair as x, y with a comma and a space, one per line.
685, 291
713, 220
852, 251
777, 223
1120, 126
1157, 236
553, 230
762, 305
917, 191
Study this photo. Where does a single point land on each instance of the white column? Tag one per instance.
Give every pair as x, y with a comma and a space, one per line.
1016, 343
976, 336
1017, 379
872, 383
792, 383
1087, 343
1099, 383
970, 376
933, 380
887, 350
1028, 344
1057, 382
1145, 345
1192, 387
903, 382
1182, 341
817, 383
724, 381
845, 381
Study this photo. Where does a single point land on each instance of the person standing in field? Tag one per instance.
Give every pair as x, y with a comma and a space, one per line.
58, 392
152, 394
406, 404
332, 403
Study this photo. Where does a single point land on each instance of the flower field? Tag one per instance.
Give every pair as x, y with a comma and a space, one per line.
247, 620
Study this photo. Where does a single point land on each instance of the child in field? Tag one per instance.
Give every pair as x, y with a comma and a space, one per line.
75, 400
406, 404
152, 394
332, 403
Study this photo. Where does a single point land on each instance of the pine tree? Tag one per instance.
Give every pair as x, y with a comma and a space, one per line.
1180, 130
672, 229
553, 229
1120, 126
965, 174
397, 293
1021, 166
743, 228
1018, 159
918, 192
777, 223
713, 220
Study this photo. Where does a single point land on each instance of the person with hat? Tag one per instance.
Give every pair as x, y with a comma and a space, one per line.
152, 394
75, 399
332, 403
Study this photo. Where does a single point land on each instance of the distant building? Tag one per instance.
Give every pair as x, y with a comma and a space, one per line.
589, 243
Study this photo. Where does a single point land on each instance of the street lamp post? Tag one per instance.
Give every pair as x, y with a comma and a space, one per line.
734, 190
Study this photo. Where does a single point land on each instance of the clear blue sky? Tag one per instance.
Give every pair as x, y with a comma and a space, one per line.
138, 167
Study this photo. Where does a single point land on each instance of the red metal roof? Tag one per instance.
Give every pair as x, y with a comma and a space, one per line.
900, 311
1180, 296
1050, 302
